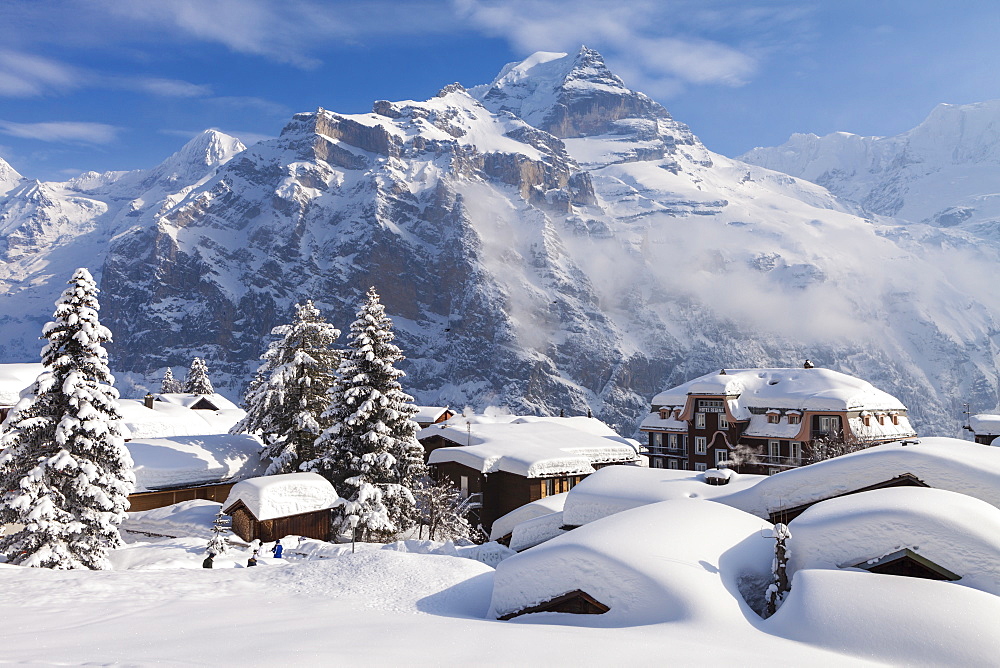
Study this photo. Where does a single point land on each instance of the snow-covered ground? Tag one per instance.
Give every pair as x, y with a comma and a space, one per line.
675, 580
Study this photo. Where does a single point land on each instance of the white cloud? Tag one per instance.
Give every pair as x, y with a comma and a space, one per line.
165, 87
657, 46
24, 75
61, 131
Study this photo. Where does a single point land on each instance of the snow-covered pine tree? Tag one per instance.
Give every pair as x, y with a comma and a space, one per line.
64, 465
370, 452
288, 396
219, 543
197, 381
779, 587
169, 384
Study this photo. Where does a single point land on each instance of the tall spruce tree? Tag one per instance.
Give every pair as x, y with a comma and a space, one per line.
370, 452
64, 465
169, 384
288, 397
197, 381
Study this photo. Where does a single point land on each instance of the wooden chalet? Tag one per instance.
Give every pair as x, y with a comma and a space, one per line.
782, 417
272, 507
428, 415
907, 563
577, 602
985, 428
501, 464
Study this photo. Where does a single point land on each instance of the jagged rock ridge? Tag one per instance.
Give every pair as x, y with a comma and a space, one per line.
552, 240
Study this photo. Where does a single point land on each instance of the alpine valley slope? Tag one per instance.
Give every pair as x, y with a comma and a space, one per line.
552, 240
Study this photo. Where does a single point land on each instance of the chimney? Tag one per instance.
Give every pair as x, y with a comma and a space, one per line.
807, 364
562, 413
590, 414
148, 400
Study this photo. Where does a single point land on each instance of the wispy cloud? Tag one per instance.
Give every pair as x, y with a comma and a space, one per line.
28, 75
660, 47
61, 131
24, 75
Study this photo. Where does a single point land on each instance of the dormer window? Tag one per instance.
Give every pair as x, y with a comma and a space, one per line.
773, 418
663, 413
895, 418
866, 419
794, 418
677, 414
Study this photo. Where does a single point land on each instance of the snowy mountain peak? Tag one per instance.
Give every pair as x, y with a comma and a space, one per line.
211, 148
943, 171
9, 178
568, 96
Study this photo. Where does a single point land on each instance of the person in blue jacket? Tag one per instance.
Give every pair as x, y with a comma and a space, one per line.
277, 549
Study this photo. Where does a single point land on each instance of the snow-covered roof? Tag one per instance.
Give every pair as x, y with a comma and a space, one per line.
536, 531
16, 377
531, 446
188, 400
955, 531
618, 488
283, 495
985, 424
189, 461
634, 563
800, 389
543, 506
942, 463
429, 414
167, 419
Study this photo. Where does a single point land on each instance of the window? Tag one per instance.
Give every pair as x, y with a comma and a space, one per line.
881, 418
774, 449
699, 420
773, 470
663, 413
550, 487
656, 463
684, 442
723, 421
794, 419
773, 418
866, 420
830, 424
465, 486
710, 405
895, 418
700, 466
672, 441
700, 445
672, 464
721, 456
796, 451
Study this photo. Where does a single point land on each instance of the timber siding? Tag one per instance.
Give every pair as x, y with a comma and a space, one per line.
315, 524
150, 500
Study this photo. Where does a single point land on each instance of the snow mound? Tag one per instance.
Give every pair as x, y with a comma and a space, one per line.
282, 495
544, 506
635, 564
957, 532
616, 488
884, 618
536, 531
14, 378
187, 518
942, 463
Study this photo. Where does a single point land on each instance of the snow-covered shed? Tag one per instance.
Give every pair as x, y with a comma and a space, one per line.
205, 402
270, 507
511, 461
428, 415
14, 378
918, 532
781, 413
182, 468
939, 462
986, 427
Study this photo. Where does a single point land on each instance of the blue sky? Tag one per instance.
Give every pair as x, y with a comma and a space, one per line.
105, 84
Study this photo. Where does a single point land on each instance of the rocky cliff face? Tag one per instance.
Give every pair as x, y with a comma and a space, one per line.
552, 240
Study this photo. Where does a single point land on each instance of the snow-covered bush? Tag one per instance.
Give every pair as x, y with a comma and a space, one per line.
779, 587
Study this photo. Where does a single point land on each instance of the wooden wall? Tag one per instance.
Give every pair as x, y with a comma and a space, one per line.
311, 525
149, 500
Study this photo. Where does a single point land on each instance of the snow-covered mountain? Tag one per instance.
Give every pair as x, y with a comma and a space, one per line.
551, 240
944, 172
